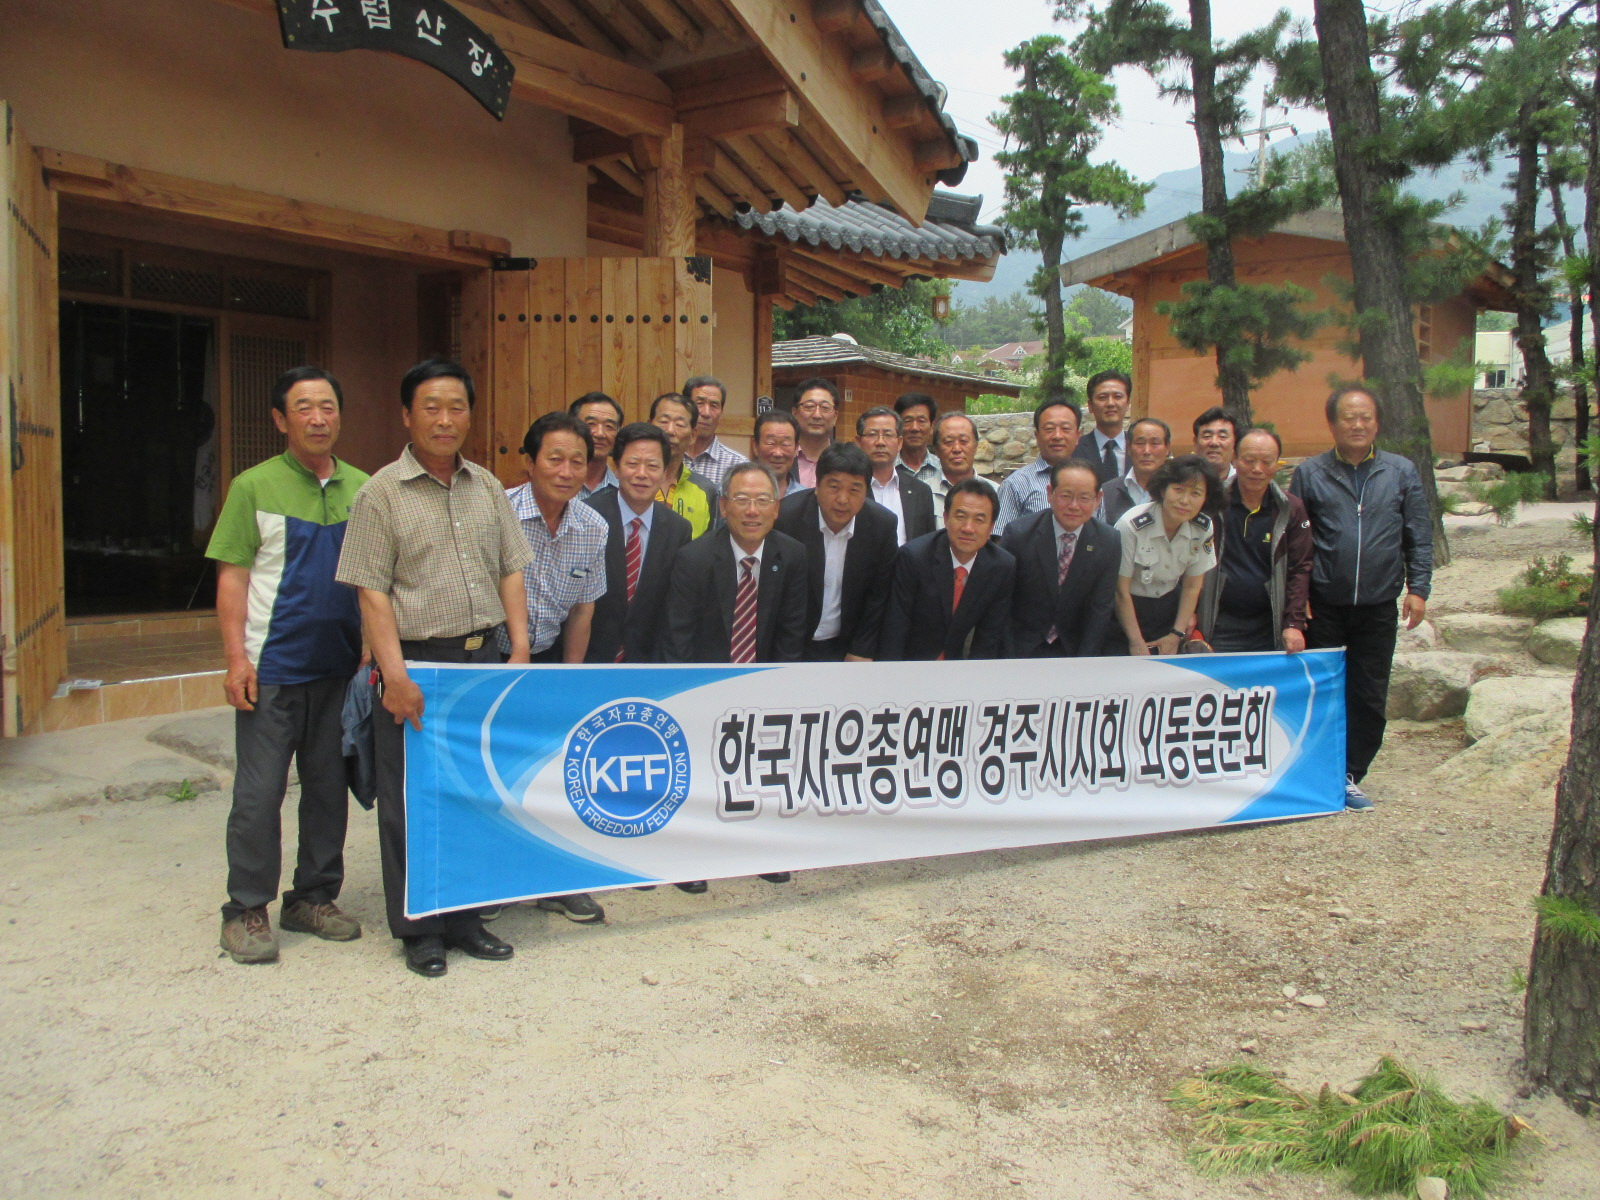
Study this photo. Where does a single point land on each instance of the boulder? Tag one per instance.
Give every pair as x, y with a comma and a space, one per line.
1559, 641
1433, 685
1423, 637
1484, 633
1522, 759
1453, 474
1499, 701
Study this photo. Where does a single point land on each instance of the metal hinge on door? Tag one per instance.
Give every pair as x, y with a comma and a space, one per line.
17, 457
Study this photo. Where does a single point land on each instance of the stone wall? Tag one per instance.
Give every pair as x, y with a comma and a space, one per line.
1005, 442
1500, 425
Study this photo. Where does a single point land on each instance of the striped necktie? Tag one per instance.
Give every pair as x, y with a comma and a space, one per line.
633, 556
743, 644
1069, 543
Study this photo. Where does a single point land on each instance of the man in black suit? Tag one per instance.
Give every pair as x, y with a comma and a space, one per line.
644, 540
849, 542
1105, 447
902, 493
951, 596
1067, 561
738, 593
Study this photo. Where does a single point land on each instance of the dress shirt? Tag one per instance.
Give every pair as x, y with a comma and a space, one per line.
625, 510
1024, 491
568, 567
805, 468
1121, 444
929, 472
437, 551
834, 546
740, 555
888, 495
715, 461
608, 480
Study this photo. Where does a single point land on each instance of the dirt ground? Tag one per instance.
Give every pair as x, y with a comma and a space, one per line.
992, 1025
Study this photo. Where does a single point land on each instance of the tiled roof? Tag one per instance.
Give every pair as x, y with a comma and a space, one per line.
827, 352
949, 234
931, 89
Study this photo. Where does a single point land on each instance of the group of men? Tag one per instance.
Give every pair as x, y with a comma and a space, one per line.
657, 542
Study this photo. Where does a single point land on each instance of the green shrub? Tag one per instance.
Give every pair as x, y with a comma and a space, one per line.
1548, 589
991, 403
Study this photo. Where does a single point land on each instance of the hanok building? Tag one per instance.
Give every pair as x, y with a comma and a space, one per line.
195, 204
1176, 384
867, 377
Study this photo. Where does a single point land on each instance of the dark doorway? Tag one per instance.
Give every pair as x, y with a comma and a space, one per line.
139, 468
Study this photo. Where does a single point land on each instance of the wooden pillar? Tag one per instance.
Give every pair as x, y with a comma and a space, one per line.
669, 200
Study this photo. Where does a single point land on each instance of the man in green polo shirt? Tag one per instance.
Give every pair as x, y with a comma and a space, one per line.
292, 638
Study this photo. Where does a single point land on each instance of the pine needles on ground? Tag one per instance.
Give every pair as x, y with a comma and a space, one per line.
1396, 1127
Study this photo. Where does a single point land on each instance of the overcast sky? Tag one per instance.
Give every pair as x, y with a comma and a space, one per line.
962, 44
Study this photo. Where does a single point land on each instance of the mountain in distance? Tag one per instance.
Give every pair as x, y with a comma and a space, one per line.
1176, 195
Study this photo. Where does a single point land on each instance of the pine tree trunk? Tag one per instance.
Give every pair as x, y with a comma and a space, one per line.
1575, 308
1233, 381
1591, 231
1377, 254
1054, 384
1561, 1028
1528, 286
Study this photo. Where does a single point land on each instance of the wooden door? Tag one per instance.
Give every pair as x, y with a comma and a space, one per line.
630, 327
32, 582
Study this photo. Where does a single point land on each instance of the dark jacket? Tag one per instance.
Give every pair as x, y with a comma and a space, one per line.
636, 628
916, 502
1081, 609
699, 620
1115, 499
919, 624
864, 590
1292, 548
1089, 451
1373, 538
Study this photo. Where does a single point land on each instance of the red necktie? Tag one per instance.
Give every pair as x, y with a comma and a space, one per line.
1063, 560
633, 555
961, 586
743, 646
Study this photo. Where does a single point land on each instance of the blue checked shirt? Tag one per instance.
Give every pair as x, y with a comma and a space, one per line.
1025, 490
568, 569
716, 462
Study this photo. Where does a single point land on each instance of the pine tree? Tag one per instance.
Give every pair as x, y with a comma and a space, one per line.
1251, 328
1052, 123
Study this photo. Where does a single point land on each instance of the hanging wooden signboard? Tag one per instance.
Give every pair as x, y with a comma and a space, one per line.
426, 30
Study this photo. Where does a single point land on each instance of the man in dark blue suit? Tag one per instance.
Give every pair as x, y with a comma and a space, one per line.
951, 595
1065, 593
645, 537
850, 541
738, 592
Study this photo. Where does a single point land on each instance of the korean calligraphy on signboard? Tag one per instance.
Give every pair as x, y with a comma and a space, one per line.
426, 30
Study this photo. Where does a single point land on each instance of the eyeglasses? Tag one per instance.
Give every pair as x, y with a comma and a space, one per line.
811, 406
742, 500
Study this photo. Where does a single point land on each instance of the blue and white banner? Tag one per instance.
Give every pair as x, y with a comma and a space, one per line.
544, 780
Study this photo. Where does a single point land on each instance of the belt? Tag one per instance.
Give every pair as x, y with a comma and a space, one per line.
470, 641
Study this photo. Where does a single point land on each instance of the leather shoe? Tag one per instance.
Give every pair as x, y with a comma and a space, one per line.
777, 877
477, 942
694, 887
425, 956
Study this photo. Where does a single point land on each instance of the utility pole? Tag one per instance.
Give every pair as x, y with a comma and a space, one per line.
1261, 132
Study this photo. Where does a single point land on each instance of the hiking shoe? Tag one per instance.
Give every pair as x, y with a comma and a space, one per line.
1355, 800
324, 920
579, 907
248, 938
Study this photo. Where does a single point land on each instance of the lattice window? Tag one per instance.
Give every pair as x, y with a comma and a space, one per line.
270, 297
89, 271
255, 364
176, 285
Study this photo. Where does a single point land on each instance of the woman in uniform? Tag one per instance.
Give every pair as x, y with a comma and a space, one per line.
1167, 548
